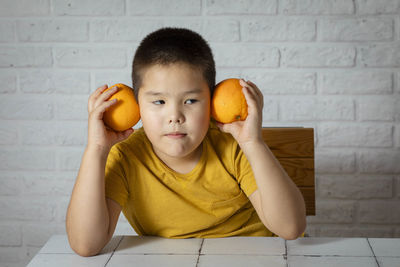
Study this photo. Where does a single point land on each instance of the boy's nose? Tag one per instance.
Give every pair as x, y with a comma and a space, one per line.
176, 119
176, 116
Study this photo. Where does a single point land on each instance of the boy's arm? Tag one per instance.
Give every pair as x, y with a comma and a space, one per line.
91, 218
278, 201
277, 197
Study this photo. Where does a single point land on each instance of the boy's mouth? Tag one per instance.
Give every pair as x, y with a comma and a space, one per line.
176, 135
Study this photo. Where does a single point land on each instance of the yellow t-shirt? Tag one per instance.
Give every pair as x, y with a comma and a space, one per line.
210, 201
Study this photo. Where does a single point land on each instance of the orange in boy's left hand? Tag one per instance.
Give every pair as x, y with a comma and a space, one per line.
228, 103
125, 113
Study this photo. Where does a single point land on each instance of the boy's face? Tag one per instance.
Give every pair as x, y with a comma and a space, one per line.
174, 103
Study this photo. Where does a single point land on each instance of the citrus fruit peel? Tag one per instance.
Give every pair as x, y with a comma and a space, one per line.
125, 113
229, 103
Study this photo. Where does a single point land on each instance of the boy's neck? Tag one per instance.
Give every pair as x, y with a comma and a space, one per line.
183, 165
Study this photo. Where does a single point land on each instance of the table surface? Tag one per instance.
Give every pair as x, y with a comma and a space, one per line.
230, 251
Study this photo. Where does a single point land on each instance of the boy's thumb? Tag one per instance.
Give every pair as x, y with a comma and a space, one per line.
128, 132
222, 127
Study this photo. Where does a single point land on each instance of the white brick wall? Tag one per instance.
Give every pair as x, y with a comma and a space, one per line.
330, 65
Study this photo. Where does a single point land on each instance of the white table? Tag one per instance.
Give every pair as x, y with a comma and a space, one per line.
231, 251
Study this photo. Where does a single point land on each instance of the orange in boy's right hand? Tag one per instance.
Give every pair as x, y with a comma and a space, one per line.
125, 113
228, 103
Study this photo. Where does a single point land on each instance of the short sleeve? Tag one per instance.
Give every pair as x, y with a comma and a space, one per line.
116, 186
243, 172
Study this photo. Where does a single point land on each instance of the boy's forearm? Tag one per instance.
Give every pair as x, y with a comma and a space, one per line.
282, 202
87, 216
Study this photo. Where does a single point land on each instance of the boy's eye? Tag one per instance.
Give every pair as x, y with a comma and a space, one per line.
158, 102
191, 101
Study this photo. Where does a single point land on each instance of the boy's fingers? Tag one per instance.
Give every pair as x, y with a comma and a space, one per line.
254, 104
94, 96
242, 82
101, 89
222, 127
249, 95
104, 96
98, 91
256, 91
99, 110
253, 87
247, 85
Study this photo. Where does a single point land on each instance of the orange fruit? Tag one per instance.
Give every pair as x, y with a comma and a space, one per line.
228, 103
125, 113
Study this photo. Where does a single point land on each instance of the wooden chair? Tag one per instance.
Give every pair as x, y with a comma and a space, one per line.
294, 148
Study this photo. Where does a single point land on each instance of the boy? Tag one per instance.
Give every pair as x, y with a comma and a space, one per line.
179, 176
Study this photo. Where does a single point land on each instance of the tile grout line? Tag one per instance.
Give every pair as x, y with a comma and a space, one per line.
112, 253
285, 256
109, 258
198, 258
373, 252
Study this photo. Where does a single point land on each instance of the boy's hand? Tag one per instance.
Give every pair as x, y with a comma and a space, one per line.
99, 135
249, 130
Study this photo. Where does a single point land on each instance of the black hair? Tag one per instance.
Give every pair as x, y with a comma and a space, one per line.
173, 45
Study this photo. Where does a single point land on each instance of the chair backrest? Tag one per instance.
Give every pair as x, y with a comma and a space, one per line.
294, 148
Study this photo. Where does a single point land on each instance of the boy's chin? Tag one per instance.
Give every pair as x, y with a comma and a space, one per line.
179, 152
